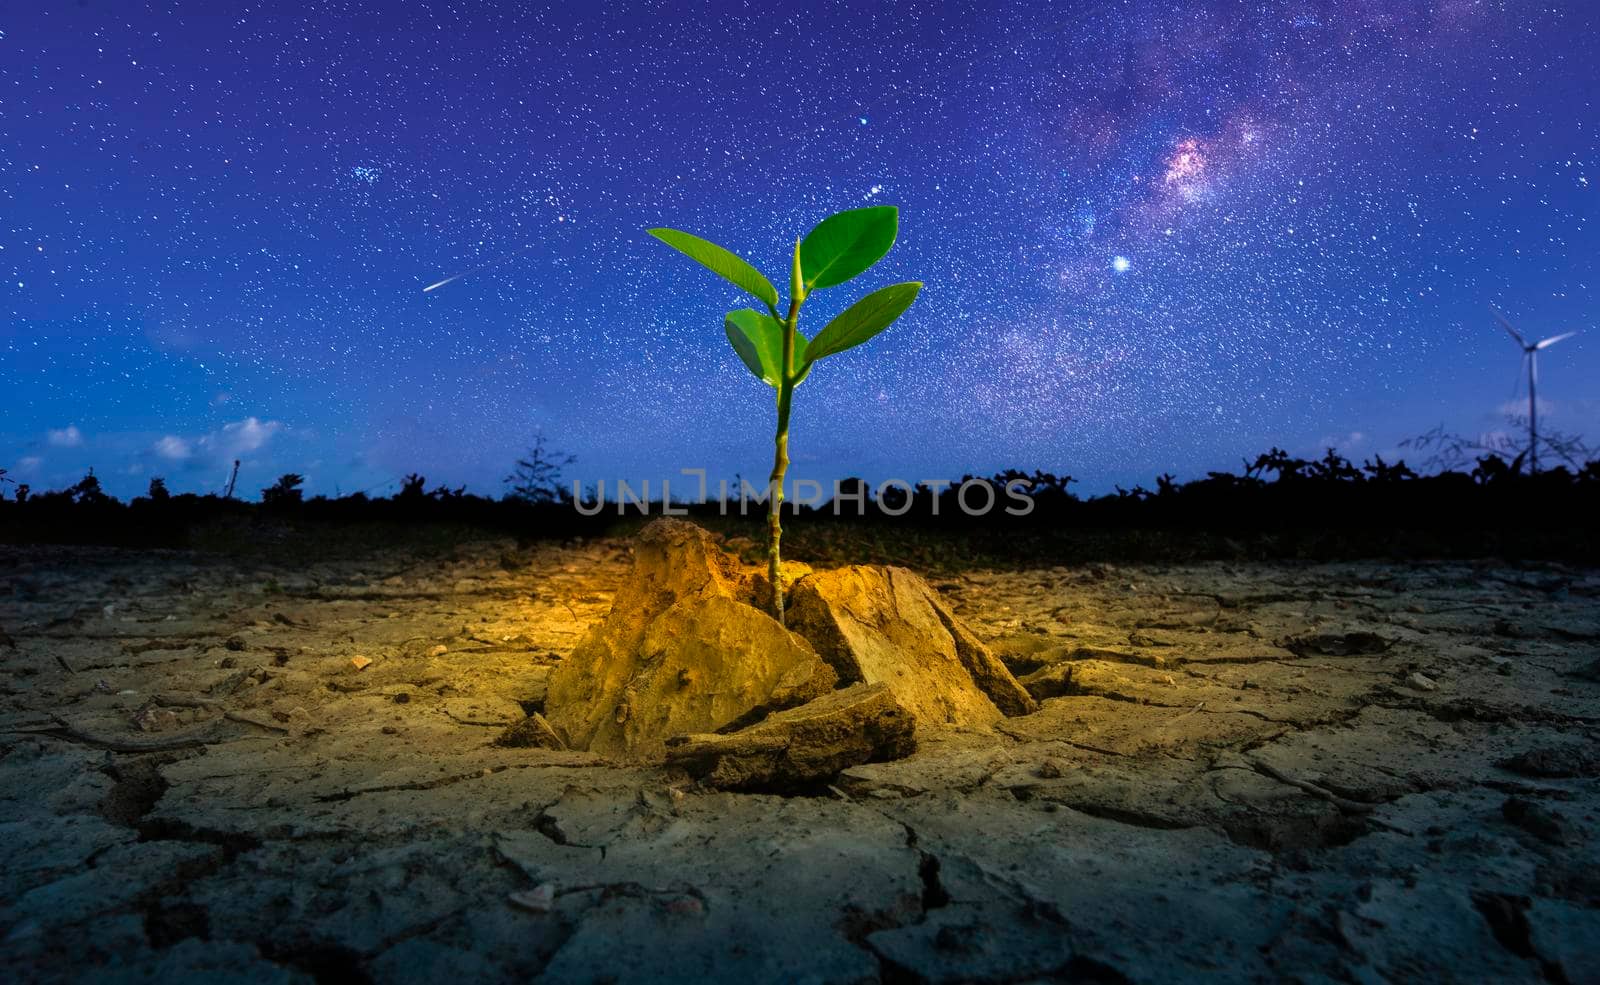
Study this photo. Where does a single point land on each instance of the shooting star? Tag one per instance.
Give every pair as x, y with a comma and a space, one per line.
475, 270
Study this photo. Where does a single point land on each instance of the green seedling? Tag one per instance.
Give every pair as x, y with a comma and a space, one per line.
840, 248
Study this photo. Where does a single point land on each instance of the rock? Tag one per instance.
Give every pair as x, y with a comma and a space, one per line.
1024, 653
1094, 677
1557, 762
1337, 644
1155, 660
688, 647
681, 651
1419, 682
802, 746
533, 732
1085, 677
539, 899
154, 718
536, 687
1052, 769
1588, 672
1543, 824
360, 663
887, 625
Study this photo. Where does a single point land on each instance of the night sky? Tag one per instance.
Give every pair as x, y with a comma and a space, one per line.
1156, 237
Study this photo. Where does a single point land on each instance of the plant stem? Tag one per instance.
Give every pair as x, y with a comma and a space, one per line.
780, 441
780, 465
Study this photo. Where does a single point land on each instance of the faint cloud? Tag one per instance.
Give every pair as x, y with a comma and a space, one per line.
235, 440
67, 437
29, 465
173, 448
240, 437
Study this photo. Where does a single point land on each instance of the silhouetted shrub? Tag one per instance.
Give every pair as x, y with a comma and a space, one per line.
284, 492
537, 477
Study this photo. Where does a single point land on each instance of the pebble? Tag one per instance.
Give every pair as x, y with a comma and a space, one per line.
1422, 683
539, 899
360, 663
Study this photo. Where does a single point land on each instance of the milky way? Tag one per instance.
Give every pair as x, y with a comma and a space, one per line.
359, 240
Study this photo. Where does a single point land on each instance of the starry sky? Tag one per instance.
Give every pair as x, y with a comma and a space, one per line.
1156, 237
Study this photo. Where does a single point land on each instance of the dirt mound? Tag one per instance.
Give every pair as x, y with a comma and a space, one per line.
688, 650
681, 651
887, 625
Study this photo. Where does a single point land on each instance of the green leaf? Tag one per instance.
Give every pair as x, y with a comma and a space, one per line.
846, 244
862, 320
721, 262
758, 339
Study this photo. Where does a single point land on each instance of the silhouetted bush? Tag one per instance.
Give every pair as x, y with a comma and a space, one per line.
1277, 505
537, 477
285, 492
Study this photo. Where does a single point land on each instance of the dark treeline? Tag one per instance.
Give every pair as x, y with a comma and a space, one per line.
1275, 506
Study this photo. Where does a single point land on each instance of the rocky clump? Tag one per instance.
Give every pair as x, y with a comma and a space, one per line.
688, 650
887, 625
801, 746
681, 651
532, 732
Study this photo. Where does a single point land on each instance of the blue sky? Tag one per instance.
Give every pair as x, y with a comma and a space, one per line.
1152, 241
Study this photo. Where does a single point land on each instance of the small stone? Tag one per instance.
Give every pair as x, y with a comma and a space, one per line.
1052, 769
360, 663
1421, 683
153, 718
1541, 823
234, 643
532, 732
1338, 644
686, 906
1559, 762
539, 899
803, 746
439, 651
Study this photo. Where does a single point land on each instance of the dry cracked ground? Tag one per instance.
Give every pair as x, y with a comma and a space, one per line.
1247, 772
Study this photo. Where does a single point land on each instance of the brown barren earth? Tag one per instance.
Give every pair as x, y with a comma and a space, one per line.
1240, 772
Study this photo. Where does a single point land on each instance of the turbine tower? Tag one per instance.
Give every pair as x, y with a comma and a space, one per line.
1530, 356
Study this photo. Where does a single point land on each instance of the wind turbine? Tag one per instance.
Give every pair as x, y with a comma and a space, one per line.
1530, 356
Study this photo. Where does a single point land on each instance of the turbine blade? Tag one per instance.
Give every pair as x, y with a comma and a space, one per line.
1552, 340
1507, 326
